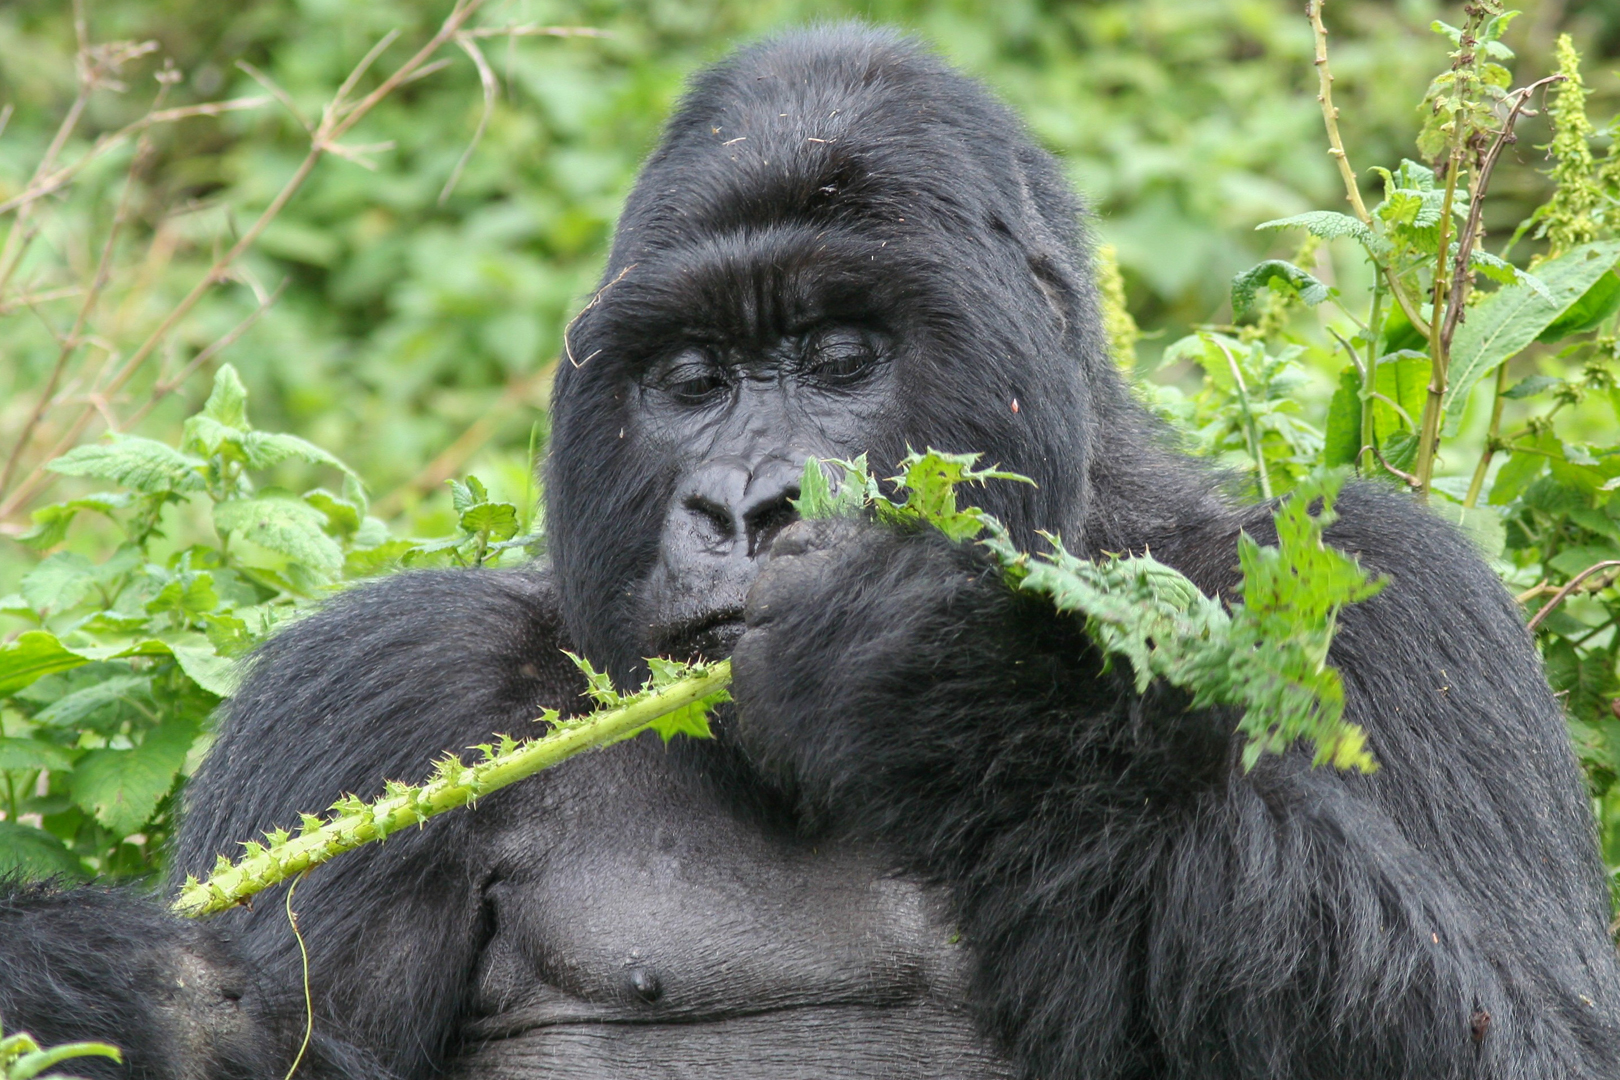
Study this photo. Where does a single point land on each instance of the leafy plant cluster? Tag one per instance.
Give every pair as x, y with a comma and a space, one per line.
1266, 657
110, 687
1477, 385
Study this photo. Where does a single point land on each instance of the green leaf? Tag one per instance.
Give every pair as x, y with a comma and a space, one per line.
1342, 440
464, 495
59, 582
342, 516
227, 402
35, 654
1482, 525
71, 710
1501, 325
1500, 270
34, 853
1595, 305
1530, 387
1329, 226
189, 595
261, 449
129, 461
1306, 287
123, 787
51, 522
1516, 475
285, 525
216, 674
1403, 378
498, 521
30, 754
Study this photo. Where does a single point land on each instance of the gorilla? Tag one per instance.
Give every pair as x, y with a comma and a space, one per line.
935, 836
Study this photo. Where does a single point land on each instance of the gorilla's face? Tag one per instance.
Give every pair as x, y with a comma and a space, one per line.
856, 253
737, 420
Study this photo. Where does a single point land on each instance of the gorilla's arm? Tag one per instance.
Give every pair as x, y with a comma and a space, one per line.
373, 687
1134, 899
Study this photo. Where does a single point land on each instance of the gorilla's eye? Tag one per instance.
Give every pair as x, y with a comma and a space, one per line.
840, 357
690, 377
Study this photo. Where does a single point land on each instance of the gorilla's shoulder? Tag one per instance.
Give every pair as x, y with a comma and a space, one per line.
375, 685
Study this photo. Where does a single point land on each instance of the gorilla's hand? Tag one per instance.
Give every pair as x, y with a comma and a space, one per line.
879, 662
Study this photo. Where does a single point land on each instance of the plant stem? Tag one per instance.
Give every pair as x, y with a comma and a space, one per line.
455, 786
1492, 438
1251, 429
1369, 378
1330, 120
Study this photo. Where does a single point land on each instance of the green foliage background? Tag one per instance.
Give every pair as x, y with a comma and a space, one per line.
414, 336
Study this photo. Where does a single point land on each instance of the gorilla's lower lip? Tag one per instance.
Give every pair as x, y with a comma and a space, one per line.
709, 638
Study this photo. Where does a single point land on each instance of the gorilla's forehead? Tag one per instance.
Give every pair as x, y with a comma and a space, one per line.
839, 126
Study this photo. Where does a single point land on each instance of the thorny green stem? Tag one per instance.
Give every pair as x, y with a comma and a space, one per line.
455, 786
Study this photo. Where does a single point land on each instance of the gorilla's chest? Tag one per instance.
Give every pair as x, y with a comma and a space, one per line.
639, 928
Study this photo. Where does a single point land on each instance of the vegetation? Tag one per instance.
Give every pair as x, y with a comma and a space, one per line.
169, 201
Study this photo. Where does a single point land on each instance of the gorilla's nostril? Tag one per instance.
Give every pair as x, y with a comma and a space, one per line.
717, 517
765, 522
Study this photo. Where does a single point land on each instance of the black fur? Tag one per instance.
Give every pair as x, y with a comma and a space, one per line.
842, 246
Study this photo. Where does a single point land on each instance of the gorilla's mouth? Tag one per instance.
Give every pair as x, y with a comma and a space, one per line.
711, 636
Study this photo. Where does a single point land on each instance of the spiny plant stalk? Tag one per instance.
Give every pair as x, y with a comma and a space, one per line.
1269, 658
354, 822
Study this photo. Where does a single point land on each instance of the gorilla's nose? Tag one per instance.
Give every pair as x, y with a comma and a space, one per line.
736, 507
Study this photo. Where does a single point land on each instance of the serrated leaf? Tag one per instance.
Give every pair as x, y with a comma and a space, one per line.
499, 521
1596, 304
1505, 322
1329, 226
59, 582
466, 494
34, 853
29, 754
1306, 287
227, 402
1403, 379
35, 654
1342, 438
214, 673
138, 464
1530, 387
262, 449
189, 595
1501, 270
70, 710
122, 787
285, 525
51, 522
343, 517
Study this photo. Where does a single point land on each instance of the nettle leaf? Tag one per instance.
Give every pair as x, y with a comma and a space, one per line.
1589, 312
1500, 270
122, 788
499, 521
227, 402
51, 522
343, 517
1502, 324
1329, 226
59, 582
33, 655
216, 674
190, 594
464, 495
71, 710
143, 465
1275, 273
34, 853
29, 754
262, 449
820, 498
284, 525
1342, 437
1530, 387
930, 480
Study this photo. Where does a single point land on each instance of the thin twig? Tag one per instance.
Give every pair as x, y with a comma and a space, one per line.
103, 273
336, 120
1561, 594
1253, 429
486, 78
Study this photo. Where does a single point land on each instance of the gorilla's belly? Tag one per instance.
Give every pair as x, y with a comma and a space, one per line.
657, 934
830, 1043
